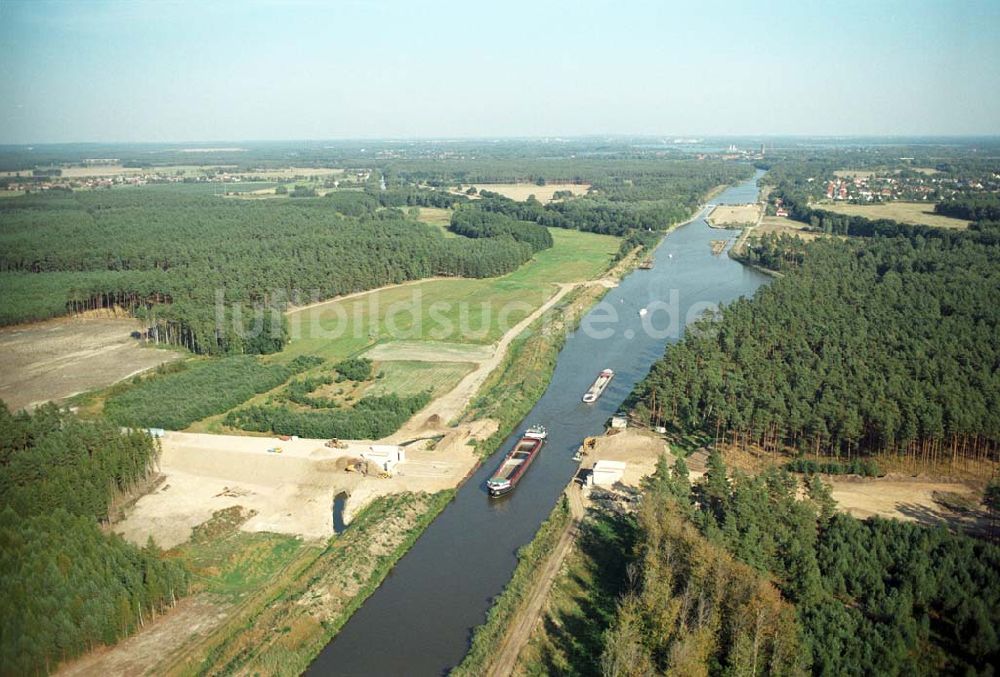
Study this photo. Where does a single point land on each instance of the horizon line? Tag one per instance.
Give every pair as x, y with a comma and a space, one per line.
497, 138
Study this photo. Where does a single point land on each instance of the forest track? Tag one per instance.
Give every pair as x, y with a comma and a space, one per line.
533, 606
291, 310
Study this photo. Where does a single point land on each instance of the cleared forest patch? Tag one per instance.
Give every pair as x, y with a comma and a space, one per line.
56, 359
782, 225
908, 499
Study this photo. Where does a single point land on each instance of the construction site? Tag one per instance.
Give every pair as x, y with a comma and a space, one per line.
289, 484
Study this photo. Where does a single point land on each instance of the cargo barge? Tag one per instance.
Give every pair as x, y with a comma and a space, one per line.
516, 462
599, 386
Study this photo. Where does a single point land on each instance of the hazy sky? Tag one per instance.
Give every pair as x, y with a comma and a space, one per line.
192, 71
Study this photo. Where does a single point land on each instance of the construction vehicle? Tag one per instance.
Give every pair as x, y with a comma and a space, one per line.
358, 465
589, 443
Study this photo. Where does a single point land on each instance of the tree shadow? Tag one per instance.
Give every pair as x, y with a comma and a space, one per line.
973, 522
605, 546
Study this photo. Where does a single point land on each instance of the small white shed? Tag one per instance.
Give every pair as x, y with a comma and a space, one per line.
619, 421
606, 473
385, 456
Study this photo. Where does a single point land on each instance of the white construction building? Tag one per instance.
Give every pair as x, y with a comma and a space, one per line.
606, 473
385, 456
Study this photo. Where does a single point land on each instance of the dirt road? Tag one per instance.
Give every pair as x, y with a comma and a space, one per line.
436, 415
531, 610
191, 619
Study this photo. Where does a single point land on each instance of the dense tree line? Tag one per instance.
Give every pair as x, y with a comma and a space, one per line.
626, 175
370, 418
66, 586
52, 460
882, 345
872, 597
409, 196
626, 193
971, 207
778, 252
695, 610
594, 215
170, 256
176, 400
473, 222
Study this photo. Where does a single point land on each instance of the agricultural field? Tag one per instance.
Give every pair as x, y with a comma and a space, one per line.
734, 216
407, 378
455, 310
522, 191
57, 359
913, 213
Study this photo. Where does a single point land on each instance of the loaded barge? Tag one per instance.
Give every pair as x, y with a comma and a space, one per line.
516, 462
599, 386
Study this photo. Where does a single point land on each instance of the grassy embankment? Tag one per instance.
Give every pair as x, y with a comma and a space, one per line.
584, 597
308, 593
488, 636
513, 388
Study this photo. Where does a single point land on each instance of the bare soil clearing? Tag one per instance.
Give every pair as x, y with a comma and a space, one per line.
193, 618
908, 499
639, 449
291, 492
56, 359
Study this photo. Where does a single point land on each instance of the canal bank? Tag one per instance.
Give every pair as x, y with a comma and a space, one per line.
419, 621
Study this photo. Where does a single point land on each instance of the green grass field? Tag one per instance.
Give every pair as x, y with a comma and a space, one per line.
408, 378
430, 325
913, 213
435, 216
455, 310
226, 561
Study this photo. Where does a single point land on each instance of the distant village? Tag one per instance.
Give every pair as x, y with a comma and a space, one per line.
107, 173
909, 187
